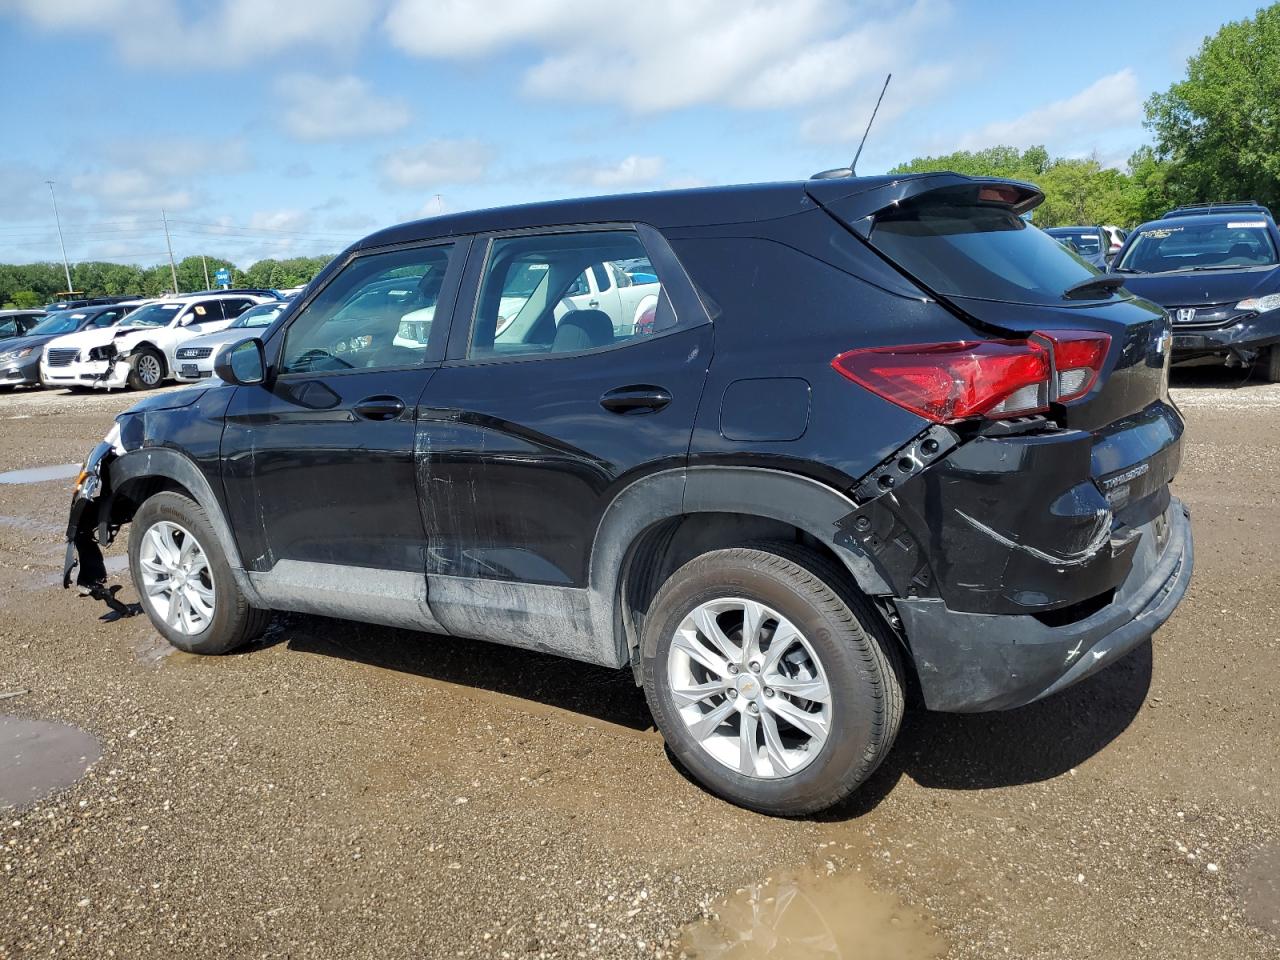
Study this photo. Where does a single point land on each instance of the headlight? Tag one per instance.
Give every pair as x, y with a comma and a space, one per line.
1260, 304
16, 354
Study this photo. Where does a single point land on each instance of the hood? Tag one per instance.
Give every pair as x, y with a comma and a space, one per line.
223, 336
22, 343
1206, 287
182, 396
87, 339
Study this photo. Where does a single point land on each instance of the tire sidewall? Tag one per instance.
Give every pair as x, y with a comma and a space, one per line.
854, 732
137, 382
178, 509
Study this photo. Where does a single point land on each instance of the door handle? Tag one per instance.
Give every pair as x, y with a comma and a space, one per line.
593, 304
379, 408
640, 398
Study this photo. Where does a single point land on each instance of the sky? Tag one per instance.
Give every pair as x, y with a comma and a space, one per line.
293, 127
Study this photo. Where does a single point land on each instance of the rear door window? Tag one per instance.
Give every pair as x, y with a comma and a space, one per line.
958, 245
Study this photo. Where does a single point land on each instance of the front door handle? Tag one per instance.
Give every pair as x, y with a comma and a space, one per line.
638, 398
379, 408
593, 304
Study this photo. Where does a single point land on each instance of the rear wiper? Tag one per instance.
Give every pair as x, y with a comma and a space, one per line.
1105, 284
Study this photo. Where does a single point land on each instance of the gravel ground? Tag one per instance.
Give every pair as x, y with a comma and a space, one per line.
341, 790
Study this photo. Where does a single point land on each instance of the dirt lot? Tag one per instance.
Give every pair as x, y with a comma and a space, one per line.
349, 791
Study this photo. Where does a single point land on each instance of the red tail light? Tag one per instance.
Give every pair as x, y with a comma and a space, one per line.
943, 382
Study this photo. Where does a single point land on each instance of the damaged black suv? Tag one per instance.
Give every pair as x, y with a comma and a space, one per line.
784, 451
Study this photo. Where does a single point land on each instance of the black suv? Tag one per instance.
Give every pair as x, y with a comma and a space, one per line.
1215, 268
829, 441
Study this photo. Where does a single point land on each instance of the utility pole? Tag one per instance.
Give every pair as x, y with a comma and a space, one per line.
205, 264
58, 220
173, 267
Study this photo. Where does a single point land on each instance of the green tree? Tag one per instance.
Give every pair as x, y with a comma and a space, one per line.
25, 300
1000, 161
1219, 128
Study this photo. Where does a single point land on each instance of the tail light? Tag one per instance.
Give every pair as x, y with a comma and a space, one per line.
647, 319
944, 382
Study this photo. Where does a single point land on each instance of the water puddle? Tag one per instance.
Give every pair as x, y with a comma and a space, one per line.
62, 471
1259, 887
799, 915
38, 757
28, 525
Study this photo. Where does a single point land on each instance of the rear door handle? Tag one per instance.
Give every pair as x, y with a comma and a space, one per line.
638, 398
379, 408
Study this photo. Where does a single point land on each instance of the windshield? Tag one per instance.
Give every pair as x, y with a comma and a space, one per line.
1224, 245
259, 316
154, 315
1085, 240
960, 247
60, 322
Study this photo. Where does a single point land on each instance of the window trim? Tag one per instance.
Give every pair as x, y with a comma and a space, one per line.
445, 307
679, 289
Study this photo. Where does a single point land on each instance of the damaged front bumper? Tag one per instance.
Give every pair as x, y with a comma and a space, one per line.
971, 662
111, 374
89, 529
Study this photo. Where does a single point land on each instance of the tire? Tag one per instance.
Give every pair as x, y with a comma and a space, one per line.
842, 641
233, 622
146, 370
1272, 369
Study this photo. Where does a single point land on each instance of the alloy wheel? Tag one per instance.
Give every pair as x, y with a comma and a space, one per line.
177, 578
749, 688
149, 369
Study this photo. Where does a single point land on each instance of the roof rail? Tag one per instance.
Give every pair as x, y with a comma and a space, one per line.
1225, 206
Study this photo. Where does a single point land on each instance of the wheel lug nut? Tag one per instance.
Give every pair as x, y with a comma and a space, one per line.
768, 691
752, 708
733, 694
755, 666
733, 669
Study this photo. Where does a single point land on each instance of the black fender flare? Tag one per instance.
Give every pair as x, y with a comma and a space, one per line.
802, 502
169, 464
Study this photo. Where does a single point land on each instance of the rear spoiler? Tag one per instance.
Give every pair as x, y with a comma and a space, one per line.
856, 201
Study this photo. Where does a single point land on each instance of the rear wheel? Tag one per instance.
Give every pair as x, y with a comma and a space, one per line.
146, 370
184, 580
775, 687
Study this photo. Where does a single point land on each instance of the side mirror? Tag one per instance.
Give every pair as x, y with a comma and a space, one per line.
243, 363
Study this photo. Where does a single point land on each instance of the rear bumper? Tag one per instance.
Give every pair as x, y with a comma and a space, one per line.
971, 662
1252, 333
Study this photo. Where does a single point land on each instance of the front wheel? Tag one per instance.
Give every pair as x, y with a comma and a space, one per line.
184, 580
146, 370
1272, 367
774, 685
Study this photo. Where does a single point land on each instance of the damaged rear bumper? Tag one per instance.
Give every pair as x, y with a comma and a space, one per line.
969, 662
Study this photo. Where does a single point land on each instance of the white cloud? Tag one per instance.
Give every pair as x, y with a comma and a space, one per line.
437, 162
227, 33
337, 108
629, 172
1110, 103
667, 54
157, 173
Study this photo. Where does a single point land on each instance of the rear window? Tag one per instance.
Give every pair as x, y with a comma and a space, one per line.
960, 247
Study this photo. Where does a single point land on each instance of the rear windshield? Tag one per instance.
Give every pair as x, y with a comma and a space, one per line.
1226, 245
960, 247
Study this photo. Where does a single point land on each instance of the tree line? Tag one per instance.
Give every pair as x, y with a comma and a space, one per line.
35, 284
1216, 137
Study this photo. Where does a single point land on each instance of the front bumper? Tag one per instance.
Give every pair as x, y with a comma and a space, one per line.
193, 371
105, 374
1255, 332
21, 372
970, 662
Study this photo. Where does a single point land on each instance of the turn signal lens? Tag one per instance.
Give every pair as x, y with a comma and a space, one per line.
1078, 356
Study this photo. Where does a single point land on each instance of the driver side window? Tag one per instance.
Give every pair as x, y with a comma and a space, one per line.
376, 314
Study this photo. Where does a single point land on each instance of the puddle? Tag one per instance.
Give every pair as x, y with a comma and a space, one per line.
1259, 888
28, 525
62, 471
802, 914
38, 757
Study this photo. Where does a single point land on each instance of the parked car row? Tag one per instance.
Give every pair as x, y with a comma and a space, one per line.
110, 343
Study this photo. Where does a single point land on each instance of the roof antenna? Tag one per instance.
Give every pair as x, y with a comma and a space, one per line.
852, 169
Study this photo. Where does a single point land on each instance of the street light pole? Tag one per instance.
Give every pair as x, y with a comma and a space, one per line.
173, 267
58, 220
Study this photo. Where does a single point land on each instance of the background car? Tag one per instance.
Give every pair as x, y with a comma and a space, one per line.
1218, 275
194, 359
1091, 243
1116, 237
139, 354
20, 357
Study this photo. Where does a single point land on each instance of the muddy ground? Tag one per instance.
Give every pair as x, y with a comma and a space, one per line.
349, 791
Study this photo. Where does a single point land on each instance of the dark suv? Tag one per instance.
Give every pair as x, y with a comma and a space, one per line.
871, 435
1216, 269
